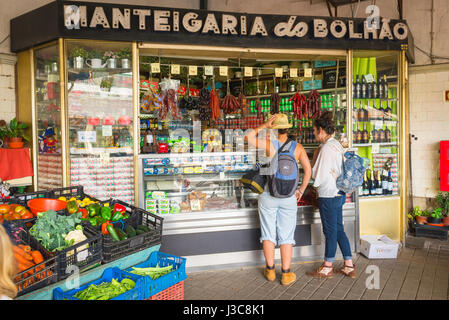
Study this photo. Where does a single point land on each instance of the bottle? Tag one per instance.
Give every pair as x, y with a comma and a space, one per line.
353, 89
380, 89
364, 89
390, 183
381, 135
372, 190
365, 187
365, 134
388, 115
384, 182
360, 114
385, 87
369, 111
375, 90
358, 134
379, 184
354, 133
387, 135
358, 88
374, 135
365, 114
369, 90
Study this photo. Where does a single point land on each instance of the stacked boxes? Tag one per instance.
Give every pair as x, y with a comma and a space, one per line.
156, 202
49, 173
379, 160
105, 178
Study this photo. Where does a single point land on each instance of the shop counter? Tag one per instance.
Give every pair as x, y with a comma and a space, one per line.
93, 274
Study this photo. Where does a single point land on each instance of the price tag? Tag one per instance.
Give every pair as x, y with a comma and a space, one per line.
378, 124
195, 205
369, 78
375, 148
208, 70
223, 71
82, 255
175, 69
248, 71
155, 67
193, 70
106, 131
293, 72
87, 136
278, 72
308, 73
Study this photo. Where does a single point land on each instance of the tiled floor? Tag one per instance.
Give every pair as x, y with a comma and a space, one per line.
417, 273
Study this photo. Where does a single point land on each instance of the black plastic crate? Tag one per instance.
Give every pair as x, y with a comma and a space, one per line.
422, 230
43, 274
113, 250
76, 255
69, 192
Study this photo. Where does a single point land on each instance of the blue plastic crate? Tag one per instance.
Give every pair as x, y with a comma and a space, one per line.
110, 273
178, 273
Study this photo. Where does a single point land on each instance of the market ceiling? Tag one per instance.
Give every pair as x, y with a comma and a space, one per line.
100, 21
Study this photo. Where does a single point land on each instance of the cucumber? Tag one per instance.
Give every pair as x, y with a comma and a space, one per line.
122, 234
144, 228
130, 231
140, 231
112, 233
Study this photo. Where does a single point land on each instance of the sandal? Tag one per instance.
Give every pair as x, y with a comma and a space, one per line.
322, 272
348, 271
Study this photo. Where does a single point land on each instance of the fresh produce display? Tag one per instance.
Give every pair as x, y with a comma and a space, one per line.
53, 230
230, 104
153, 272
10, 212
29, 263
117, 234
275, 100
106, 290
98, 215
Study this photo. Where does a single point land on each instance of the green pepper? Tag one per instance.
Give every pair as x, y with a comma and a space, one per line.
100, 220
112, 232
72, 206
93, 222
106, 213
117, 216
93, 209
125, 216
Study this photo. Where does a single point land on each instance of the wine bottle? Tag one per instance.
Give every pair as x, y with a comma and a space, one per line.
381, 135
384, 178
358, 134
390, 183
388, 112
375, 90
365, 134
369, 90
360, 114
380, 88
364, 89
387, 135
365, 114
353, 89
385, 87
365, 188
358, 88
378, 184
374, 135
372, 190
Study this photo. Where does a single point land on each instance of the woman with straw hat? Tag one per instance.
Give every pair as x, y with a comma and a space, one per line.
278, 215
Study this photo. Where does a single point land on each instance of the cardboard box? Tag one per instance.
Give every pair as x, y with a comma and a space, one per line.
378, 247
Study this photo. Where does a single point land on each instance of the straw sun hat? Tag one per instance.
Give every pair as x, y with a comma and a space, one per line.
281, 122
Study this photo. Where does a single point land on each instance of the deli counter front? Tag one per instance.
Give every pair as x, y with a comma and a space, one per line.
158, 119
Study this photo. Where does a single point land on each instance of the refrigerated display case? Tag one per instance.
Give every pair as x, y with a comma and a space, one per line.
100, 118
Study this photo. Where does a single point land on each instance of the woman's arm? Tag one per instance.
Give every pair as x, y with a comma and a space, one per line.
263, 143
305, 164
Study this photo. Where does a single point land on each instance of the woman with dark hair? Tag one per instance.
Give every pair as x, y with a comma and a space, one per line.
327, 166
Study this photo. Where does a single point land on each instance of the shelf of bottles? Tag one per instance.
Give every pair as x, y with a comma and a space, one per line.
375, 124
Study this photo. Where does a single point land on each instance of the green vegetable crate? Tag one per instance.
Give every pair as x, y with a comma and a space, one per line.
157, 281
43, 274
81, 255
140, 231
113, 289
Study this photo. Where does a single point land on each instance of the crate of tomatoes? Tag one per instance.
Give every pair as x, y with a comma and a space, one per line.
36, 268
16, 213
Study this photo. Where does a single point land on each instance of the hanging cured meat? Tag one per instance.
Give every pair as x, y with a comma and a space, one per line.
230, 104
214, 105
169, 105
275, 100
258, 106
314, 105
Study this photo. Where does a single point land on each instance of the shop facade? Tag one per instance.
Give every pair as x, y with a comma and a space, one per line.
100, 84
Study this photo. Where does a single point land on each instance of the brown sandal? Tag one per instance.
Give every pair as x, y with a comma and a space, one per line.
322, 272
348, 271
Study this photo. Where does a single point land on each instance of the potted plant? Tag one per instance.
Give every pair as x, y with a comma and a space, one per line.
436, 216
443, 202
96, 57
418, 215
125, 57
78, 55
110, 57
106, 85
15, 133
